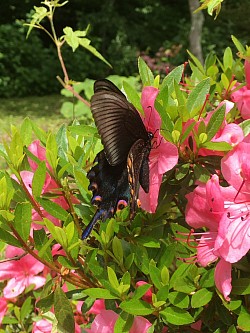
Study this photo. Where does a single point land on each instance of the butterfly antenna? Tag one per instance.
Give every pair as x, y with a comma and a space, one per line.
98, 216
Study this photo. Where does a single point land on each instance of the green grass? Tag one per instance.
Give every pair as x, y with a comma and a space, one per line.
44, 111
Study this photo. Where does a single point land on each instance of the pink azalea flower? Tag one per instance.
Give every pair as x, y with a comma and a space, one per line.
39, 151
163, 155
242, 96
20, 273
207, 206
105, 323
97, 307
140, 324
42, 326
3, 308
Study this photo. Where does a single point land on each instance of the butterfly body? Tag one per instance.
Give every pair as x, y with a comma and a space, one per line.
123, 165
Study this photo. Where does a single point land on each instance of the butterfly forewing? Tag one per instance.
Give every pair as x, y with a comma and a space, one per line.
118, 122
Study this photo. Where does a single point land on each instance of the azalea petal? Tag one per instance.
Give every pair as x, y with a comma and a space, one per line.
140, 324
205, 205
30, 265
153, 120
103, 322
233, 241
232, 165
167, 156
14, 288
38, 281
149, 201
205, 254
3, 308
36, 149
97, 307
42, 326
222, 276
9, 269
231, 133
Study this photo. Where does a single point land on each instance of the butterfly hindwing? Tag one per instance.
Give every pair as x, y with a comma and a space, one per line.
138, 171
110, 188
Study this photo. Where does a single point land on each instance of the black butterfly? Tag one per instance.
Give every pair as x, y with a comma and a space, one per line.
123, 165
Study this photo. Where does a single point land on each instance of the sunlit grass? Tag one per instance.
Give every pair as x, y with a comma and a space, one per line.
44, 111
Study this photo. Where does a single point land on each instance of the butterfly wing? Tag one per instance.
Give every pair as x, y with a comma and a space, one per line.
118, 122
138, 171
110, 188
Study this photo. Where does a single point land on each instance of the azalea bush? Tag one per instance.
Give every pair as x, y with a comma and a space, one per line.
182, 264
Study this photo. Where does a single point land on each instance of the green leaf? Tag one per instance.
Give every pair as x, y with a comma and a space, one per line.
62, 142
174, 76
133, 96
40, 13
244, 322
71, 38
52, 151
26, 308
241, 286
148, 241
207, 279
141, 290
238, 44
215, 122
177, 316
112, 278
26, 131
232, 329
123, 323
162, 294
219, 146
39, 179
201, 298
228, 58
63, 312
7, 238
54, 209
58, 233
146, 74
197, 97
22, 219
84, 130
117, 249
137, 307
45, 303
183, 278
100, 293
7, 215
196, 62
43, 244
179, 299
86, 44
155, 275
141, 257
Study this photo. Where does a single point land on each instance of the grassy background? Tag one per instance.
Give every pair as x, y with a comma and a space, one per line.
45, 111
